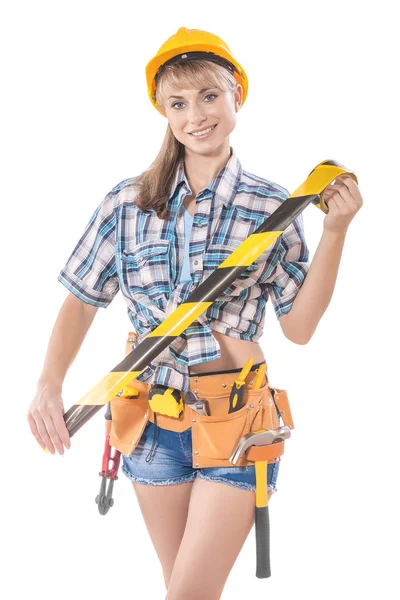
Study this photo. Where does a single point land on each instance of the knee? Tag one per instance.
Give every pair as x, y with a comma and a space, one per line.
181, 589
192, 594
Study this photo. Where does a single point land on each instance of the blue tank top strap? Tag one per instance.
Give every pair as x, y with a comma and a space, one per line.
185, 275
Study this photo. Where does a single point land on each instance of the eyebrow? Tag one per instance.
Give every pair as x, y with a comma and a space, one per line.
200, 92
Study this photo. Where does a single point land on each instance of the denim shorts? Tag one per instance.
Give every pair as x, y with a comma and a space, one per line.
172, 463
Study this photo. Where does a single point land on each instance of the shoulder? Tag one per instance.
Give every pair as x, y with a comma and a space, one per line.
261, 185
125, 192
258, 196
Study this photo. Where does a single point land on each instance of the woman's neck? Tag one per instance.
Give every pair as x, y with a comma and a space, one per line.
201, 170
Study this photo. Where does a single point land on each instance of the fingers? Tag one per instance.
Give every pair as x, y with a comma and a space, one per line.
347, 180
61, 429
342, 196
46, 417
348, 189
342, 200
53, 433
344, 178
333, 205
39, 432
49, 429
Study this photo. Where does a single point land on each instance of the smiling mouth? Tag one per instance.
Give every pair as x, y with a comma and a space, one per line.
213, 127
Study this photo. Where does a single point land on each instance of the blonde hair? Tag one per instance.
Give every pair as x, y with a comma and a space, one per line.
155, 182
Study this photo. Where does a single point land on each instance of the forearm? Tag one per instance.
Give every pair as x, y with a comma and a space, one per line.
316, 291
69, 331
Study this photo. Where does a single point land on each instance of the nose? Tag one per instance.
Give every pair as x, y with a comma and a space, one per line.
195, 115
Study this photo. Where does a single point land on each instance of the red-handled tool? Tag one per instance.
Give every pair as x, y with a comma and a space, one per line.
104, 499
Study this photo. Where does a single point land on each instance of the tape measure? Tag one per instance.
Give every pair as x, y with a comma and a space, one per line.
166, 400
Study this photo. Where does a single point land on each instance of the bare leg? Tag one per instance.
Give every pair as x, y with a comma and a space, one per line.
165, 509
219, 520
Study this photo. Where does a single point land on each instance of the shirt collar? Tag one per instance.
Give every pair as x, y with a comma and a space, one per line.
224, 185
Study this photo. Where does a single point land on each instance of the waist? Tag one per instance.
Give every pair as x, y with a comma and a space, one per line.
232, 352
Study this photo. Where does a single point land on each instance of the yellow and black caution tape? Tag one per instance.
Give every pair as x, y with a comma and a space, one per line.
309, 192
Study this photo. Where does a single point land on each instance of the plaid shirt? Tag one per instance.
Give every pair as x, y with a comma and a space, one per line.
124, 248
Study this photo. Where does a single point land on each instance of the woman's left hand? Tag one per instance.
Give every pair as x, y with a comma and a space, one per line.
344, 200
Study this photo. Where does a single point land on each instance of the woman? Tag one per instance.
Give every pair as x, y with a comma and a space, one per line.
156, 237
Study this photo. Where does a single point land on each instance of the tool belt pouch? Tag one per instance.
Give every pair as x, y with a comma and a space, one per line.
215, 437
129, 415
129, 419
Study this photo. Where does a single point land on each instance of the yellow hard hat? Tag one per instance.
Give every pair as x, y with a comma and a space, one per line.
189, 44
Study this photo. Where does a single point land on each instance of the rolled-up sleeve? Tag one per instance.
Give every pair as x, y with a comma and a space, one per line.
291, 268
90, 272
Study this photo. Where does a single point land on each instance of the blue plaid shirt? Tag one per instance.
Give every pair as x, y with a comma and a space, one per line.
124, 248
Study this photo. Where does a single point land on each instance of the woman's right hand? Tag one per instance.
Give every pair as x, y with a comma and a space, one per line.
46, 417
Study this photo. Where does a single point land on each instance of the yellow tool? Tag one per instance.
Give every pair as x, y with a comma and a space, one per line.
166, 401
260, 372
261, 469
237, 393
129, 392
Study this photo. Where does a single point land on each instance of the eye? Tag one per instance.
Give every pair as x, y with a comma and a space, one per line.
207, 96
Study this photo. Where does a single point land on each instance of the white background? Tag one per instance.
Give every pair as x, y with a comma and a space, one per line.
76, 120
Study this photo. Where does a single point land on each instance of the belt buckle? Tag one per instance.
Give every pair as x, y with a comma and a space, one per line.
197, 404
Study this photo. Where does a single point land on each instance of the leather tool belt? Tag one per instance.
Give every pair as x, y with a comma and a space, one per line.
214, 435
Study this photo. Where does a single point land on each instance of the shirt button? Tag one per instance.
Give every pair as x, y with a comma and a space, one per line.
196, 262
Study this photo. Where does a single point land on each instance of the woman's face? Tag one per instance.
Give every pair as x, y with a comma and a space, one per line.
197, 110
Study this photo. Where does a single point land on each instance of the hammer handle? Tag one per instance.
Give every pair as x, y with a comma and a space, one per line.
263, 569
262, 542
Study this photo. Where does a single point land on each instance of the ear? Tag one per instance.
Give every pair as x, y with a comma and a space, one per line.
238, 97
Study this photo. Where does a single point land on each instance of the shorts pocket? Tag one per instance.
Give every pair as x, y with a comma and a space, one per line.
129, 419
